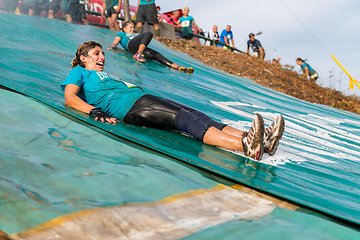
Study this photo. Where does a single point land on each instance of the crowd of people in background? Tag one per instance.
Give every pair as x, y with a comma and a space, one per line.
146, 11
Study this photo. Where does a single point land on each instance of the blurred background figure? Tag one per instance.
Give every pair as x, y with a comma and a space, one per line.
158, 13
146, 12
63, 6
174, 19
214, 35
255, 45
186, 25
227, 36
112, 9
34, 8
77, 10
308, 71
10, 5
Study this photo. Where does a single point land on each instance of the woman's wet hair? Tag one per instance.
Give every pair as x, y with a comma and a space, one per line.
125, 24
83, 50
299, 60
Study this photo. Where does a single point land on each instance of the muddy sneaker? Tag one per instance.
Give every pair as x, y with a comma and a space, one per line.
188, 70
139, 57
253, 140
273, 134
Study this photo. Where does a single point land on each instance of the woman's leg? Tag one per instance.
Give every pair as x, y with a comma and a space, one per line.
218, 138
140, 42
155, 55
156, 112
113, 19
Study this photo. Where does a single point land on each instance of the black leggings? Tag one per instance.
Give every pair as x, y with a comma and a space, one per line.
162, 113
145, 38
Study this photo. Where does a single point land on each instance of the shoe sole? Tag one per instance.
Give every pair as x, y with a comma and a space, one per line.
139, 60
142, 61
271, 151
190, 71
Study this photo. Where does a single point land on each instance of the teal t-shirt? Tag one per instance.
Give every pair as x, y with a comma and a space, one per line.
105, 91
311, 70
186, 23
145, 2
125, 38
111, 3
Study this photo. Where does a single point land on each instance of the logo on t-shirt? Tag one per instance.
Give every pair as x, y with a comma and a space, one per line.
185, 23
103, 75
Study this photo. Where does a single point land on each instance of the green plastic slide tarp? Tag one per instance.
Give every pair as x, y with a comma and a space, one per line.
53, 168
317, 163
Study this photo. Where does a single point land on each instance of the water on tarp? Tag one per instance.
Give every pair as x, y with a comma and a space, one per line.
317, 163
55, 170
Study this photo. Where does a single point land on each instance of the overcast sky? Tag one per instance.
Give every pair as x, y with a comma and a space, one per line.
335, 24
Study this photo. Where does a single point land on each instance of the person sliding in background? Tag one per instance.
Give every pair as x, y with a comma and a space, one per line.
137, 44
146, 12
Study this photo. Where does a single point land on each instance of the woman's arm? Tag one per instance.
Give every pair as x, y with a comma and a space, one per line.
115, 43
72, 100
197, 27
306, 71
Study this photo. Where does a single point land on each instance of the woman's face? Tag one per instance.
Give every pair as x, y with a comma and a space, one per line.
299, 63
95, 59
186, 11
129, 28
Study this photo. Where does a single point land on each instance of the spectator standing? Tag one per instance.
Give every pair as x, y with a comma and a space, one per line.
112, 8
34, 7
307, 69
77, 10
158, 13
10, 5
214, 35
278, 60
255, 45
226, 36
63, 6
186, 24
146, 12
173, 20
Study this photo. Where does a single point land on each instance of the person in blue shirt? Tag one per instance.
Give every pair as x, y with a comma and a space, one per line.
109, 99
307, 69
186, 24
255, 45
137, 44
226, 36
146, 12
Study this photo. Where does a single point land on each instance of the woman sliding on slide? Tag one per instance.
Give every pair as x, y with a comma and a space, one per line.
108, 98
137, 45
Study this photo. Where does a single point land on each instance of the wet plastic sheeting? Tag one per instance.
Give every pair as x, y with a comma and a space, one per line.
60, 179
317, 163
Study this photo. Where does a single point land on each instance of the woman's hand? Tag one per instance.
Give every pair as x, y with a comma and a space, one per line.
99, 114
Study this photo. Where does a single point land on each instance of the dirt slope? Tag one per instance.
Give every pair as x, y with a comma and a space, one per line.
264, 73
